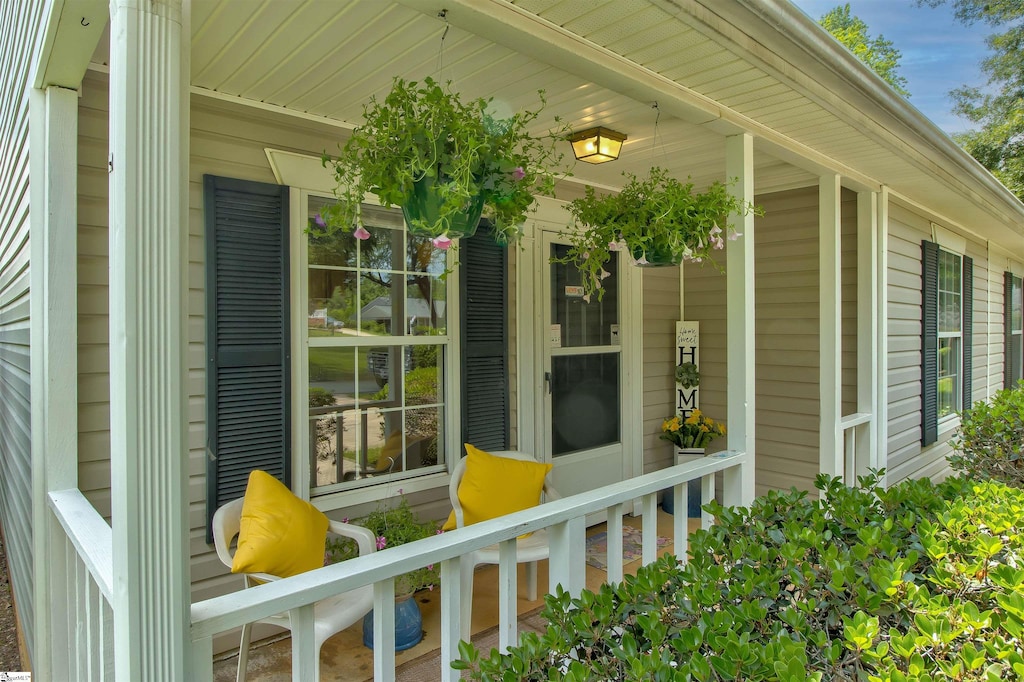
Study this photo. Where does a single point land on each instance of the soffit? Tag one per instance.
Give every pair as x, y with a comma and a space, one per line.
327, 57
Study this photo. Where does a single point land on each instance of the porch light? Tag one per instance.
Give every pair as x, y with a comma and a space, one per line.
596, 145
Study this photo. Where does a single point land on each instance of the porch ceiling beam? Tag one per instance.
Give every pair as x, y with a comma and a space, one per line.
72, 31
525, 32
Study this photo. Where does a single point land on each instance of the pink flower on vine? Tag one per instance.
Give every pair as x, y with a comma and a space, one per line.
439, 531
642, 260
734, 235
617, 246
382, 542
361, 233
319, 220
605, 274
442, 242
345, 520
518, 173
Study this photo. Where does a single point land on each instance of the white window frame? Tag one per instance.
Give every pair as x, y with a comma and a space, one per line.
341, 495
957, 390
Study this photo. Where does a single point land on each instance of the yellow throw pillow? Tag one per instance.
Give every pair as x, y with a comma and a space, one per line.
279, 533
494, 486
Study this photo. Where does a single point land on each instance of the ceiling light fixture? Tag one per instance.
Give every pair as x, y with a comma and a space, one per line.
596, 145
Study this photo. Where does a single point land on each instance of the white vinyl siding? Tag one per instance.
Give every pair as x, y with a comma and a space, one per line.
906, 458
21, 22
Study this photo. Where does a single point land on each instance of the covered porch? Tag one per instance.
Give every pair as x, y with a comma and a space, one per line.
146, 598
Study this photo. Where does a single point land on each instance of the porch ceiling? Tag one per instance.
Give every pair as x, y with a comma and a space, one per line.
715, 67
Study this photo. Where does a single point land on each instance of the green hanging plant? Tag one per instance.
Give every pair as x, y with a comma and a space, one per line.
445, 162
657, 220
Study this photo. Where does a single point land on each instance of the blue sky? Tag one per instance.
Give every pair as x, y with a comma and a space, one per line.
939, 53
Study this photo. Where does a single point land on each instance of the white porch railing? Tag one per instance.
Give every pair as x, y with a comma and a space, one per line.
565, 520
83, 573
82, 582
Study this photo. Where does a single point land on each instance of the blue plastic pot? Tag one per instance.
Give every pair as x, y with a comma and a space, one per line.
408, 625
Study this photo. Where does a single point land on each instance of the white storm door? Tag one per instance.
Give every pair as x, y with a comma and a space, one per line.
581, 374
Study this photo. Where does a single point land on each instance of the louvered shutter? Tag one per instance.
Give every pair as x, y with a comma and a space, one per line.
967, 329
485, 381
929, 342
247, 336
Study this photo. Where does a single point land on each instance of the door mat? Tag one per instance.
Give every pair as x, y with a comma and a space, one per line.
632, 547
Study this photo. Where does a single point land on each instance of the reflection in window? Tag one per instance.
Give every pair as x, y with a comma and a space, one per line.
376, 337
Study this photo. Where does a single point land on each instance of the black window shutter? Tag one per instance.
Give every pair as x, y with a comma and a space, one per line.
967, 328
929, 342
247, 336
485, 380
1007, 329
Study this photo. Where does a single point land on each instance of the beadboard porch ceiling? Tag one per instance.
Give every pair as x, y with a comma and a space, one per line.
714, 66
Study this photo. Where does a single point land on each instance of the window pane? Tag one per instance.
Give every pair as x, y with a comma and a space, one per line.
584, 402
331, 303
425, 305
949, 376
377, 313
1017, 309
423, 441
581, 323
421, 256
423, 375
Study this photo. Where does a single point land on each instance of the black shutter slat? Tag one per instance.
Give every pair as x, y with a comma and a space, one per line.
248, 354
1008, 330
968, 331
929, 342
485, 383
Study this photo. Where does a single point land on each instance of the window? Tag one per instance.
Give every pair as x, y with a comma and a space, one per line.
376, 343
1013, 324
946, 337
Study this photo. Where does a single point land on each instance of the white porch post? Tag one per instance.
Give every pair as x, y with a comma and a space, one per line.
830, 307
148, 228
882, 347
739, 166
867, 330
54, 349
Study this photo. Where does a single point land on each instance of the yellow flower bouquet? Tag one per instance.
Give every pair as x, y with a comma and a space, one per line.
696, 431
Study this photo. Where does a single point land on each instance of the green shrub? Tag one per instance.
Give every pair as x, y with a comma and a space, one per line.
320, 397
918, 582
989, 443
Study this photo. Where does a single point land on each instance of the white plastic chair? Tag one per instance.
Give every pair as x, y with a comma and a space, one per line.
331, 615
529, 550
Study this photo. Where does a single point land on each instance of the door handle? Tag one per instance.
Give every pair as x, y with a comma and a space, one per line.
547, 382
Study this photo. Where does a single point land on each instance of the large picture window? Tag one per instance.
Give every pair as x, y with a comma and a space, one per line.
376, 333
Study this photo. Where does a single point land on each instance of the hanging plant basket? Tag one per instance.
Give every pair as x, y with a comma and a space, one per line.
654, 257
657, 220
424, 211
445, 162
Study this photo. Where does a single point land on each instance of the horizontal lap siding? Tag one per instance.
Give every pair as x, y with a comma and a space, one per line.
786, 340
21, 25
660, 313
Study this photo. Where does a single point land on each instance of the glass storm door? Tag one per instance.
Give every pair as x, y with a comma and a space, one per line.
581, 372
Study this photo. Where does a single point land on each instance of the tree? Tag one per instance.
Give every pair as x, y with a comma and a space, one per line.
878, 53
997, 109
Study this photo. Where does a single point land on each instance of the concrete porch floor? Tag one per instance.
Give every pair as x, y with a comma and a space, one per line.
345, 659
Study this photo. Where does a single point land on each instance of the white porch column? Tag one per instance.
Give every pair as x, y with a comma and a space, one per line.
866, 455
882, 347
830, 308
148, 228
739, 166
54, 356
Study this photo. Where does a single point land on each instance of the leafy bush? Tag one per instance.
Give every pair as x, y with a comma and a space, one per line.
919, 582
990, 440
320, 397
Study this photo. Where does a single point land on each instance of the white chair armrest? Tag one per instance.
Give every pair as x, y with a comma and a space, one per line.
364, 537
